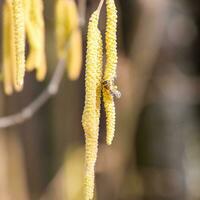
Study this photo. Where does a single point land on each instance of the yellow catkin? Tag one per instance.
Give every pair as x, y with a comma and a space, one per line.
111, 40
99, 78
68, 36
74, 55
91, 113
110, 68
36, 37
7, 34
19, 40
110, 115
61, 26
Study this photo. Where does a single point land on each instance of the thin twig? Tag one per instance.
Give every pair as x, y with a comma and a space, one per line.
27, 112
100, 5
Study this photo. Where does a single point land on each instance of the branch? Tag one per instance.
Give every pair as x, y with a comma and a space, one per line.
27, 112
82, 11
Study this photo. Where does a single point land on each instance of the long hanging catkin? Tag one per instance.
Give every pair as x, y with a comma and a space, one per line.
68, 36
74, 55
91, 113
110, 69
19, 40
111, 41
7, 35
36, 37
9, 55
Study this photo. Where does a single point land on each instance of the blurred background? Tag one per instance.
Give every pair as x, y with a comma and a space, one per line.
155, 154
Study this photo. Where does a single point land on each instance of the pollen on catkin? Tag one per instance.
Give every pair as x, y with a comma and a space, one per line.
69, 37
91, 113
36, 37
110, 68
19, 40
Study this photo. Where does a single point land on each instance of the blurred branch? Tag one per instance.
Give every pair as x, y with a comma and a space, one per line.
27, 112
146, 48
82, 11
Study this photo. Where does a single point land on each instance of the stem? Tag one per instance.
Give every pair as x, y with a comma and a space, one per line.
100, 5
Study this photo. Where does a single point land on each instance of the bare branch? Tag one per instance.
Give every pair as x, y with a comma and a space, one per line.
27, 112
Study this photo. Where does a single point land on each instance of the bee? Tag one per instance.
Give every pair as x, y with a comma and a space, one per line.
109, 85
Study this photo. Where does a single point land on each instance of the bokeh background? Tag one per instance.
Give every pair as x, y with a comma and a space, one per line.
155, 154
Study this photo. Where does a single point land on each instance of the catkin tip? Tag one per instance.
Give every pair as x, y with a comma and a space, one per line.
8, 90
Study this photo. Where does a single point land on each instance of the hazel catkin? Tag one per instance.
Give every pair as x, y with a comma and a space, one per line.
19, 40
110, 69
36, 37
7, 46
111, 40
69, 37
91, 113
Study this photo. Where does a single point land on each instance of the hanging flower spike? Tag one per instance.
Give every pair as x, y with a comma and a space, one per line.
62, 27
74, 55
68, 36
36, 37
19, 40
111, 40
7, 34
91, 113
74, 50
109, 90
99, 78
92, 140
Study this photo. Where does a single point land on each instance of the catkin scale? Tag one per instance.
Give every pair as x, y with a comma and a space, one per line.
91, 113
110, 68
19, 40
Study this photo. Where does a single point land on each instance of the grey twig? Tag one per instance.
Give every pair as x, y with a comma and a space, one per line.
27, 112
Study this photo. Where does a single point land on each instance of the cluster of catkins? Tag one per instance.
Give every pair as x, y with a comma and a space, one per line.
23, 21
97, 82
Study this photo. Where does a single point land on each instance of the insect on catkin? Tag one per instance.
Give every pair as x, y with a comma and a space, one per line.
91, 113
69, 37
110, 115
110, 68
19, 40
